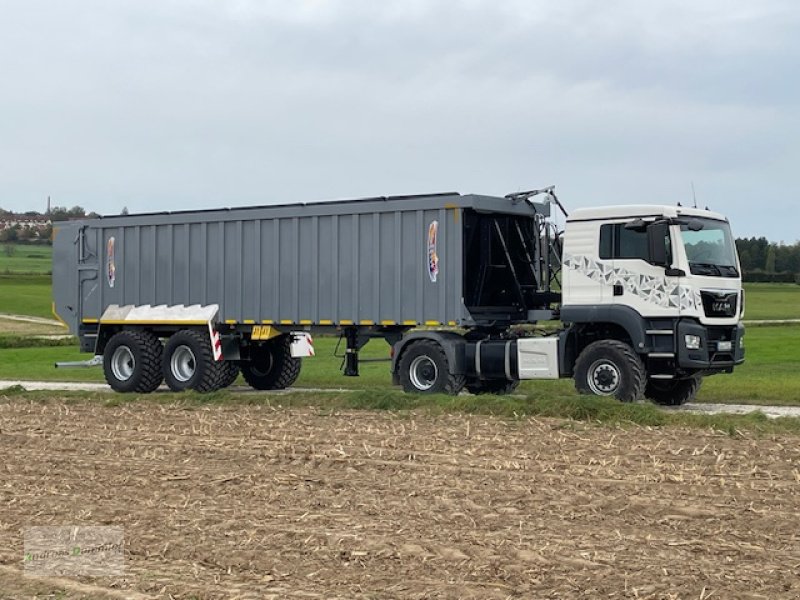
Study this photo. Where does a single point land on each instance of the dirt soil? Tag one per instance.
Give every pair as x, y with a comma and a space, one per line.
260, 502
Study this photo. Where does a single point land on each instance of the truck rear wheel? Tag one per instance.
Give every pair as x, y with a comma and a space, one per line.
189, 364
492, 386
271, 366
610, 368
132, 362
672, 392
424, 370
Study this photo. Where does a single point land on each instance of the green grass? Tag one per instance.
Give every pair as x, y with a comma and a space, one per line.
770, 375
27, 259
26, 295
772, 301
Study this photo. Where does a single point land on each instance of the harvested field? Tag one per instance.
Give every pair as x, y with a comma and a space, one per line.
260, 502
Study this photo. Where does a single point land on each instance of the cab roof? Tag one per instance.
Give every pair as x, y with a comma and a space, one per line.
632, 211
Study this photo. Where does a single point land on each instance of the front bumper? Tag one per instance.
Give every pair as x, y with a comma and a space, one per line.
713, 353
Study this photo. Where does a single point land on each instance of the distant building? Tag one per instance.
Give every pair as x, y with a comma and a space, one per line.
14, 227
37, 222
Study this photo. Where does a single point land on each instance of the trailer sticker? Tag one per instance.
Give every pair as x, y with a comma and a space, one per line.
433, 257
654, 290
111, 266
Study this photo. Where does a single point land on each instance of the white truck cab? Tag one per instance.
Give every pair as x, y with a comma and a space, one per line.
665, 281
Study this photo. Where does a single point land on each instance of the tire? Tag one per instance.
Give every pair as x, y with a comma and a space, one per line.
188, 363
132, 362
672, 392
424, 370
232, 372
271, 366
492, 386
610, 368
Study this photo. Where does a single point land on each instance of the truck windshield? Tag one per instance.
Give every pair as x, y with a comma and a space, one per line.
710, 250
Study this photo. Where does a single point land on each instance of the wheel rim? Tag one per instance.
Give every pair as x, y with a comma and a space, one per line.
182, 363
423, 373
604, 378
122, 363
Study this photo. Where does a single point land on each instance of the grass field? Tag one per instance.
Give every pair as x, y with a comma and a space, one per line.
771, 374
27, 259
26, 295
772, 301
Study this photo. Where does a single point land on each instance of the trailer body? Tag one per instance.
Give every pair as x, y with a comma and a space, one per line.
380, 261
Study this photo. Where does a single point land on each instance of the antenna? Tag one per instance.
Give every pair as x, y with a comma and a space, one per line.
694, 196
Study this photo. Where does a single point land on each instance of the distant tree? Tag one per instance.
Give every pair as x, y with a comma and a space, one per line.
769, 263
76, 211
25, 234
93, 215
46, 233
745, 260
9, 250
124, 211
32, 213
4, 212
59, 213
8, 235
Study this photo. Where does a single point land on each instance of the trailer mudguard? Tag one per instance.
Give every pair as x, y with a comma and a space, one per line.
178, 316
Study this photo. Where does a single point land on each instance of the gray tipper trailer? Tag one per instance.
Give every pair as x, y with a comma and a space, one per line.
193, 298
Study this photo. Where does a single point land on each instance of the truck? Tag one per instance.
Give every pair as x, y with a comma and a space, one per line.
640, 301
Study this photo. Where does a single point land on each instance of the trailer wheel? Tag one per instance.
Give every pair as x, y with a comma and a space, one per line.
610, 368
231, 373
424, 370
271, 366
132, 362
189, 364
672, 392
491, 386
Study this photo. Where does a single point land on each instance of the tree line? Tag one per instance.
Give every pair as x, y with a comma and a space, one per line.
767, 261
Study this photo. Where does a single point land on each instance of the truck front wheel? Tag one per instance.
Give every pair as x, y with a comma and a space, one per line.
189, 363
424, 370
271, 366
672, 392
132, 362
610, 368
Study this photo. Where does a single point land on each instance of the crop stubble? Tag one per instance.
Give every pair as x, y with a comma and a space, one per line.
259, 502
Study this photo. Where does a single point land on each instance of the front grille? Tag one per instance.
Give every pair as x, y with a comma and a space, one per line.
719, 304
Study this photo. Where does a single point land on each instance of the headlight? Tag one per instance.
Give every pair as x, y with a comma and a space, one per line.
741, 343
692, 342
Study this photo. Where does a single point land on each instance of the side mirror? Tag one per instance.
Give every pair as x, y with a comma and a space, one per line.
636, 225
695, 225
656, 235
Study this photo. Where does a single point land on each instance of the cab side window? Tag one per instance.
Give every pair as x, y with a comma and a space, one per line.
616, 242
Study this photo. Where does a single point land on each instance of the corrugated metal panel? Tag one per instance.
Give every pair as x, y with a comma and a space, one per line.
363, 262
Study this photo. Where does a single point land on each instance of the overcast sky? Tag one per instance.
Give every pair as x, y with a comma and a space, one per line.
166, 105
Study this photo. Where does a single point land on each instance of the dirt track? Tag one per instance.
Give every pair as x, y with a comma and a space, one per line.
254, 502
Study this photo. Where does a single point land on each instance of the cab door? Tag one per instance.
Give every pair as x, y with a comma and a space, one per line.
637, 282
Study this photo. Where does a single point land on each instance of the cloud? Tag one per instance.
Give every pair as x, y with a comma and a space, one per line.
176, 104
